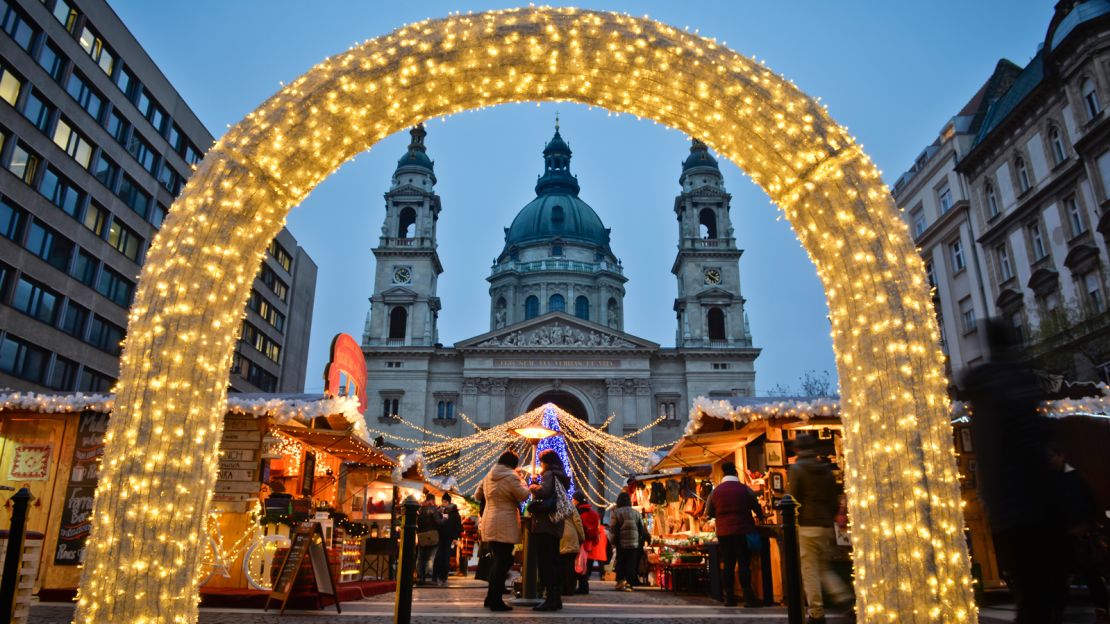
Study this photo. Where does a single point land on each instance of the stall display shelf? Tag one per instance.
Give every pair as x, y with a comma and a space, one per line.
350, 562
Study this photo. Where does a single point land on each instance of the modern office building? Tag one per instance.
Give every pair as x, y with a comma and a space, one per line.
1033, 170
95, 144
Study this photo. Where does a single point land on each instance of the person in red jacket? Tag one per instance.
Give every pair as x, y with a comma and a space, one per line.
735, 507
591, 524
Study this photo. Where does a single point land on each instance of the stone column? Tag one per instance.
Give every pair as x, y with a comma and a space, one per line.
644, 411
497, 400
470, 401
614, 403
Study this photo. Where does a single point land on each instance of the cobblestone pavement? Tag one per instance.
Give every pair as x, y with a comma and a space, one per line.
461, 602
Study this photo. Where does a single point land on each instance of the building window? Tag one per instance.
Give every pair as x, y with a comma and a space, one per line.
944, 198
105, 335
394, 364
707, 220
1005, 271
49, 245
94, 46
127, 83
716, 318
1090, 98
37, 112
61, 192
991, 199
391, 408
135, 198
930, 274
115, 287
1036, 241
1075, 216
63, 375
84, 268
95, 219
125, 240
721, 366
157, 215
12, 220
92, 381
22, 359
531, 307
398, 320
66, 15
270, 279
281, 255
556, 250
967, 316
72, 143
918, 217
556, 303
261, 378
582, 307
1017, 322
1092, 289
1049, 302
74, 320
9, 86
52, 61
445, 410
266, 310
1022, 174
1057, 143
24, 163
143, 153
668, 410
117, 126
956, 248
17, 26
36, 301
106, 171
89, 99
406, 223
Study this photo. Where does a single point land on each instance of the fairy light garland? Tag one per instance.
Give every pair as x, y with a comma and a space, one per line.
161, 450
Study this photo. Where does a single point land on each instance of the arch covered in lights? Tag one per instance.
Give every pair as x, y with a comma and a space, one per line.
910, 559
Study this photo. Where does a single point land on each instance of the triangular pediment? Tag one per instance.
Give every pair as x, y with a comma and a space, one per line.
399, 293
715, 293
556, 330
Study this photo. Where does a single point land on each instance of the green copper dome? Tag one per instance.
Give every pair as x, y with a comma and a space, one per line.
557, 211
699, 157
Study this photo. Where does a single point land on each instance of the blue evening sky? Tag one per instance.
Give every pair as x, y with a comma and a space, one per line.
893, 72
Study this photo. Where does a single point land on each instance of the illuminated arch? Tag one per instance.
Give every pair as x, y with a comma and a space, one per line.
911, 562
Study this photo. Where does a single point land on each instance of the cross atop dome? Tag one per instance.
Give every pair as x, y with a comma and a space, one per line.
556, 176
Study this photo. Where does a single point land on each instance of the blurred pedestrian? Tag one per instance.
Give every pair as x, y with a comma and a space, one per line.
1079, 514
591, 525
449, 531
467, 543
569, 546
813, 485
1010, 442
428, 520
734, 506
626, 530
500, 494
547, 528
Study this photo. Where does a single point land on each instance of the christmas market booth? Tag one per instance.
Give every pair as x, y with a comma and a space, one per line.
284, 460
758, 435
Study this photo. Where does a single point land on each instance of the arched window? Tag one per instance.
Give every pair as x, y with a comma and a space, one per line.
1090, 98
992, 199
1057, 145
406, 225
557, 303
582, 307
1022, 174
716, 324
398, 318
531, 307
708, 220
557, 214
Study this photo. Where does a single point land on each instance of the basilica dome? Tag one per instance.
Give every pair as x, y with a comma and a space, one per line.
557, 212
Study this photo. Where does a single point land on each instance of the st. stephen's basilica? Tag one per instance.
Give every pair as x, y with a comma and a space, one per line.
556, 312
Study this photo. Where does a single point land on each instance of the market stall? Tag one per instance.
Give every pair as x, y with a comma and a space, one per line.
284, 459
758, 436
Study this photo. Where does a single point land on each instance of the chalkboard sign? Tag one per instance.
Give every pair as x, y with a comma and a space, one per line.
77, 505
308, 473
307, 539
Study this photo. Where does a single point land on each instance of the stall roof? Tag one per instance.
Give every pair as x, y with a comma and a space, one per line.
342, 444
736, 411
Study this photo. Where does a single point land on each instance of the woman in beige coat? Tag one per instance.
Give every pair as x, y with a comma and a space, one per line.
501, 492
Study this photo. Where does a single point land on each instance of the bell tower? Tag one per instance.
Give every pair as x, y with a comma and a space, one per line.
709, 308
404, 308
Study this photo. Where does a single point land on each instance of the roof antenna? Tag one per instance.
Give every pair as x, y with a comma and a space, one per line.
556, 121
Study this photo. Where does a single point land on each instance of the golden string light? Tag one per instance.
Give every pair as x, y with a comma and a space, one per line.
910, 557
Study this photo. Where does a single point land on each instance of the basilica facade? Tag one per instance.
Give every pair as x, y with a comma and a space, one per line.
556, 312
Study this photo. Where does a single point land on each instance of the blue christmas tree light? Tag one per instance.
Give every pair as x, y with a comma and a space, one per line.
555, 443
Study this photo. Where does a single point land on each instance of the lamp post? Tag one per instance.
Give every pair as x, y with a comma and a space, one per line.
528, 592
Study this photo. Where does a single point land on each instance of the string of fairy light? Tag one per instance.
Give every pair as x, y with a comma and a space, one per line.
910, 559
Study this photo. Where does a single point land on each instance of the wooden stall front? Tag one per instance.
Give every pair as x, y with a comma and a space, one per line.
52, 444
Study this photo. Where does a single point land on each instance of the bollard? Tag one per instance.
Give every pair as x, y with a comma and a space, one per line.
402, 608
791, 559
13, 557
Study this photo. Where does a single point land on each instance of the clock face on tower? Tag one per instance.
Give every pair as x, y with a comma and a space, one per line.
402, 275
712, 276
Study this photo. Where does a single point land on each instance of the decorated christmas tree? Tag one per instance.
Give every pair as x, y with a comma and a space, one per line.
555, 443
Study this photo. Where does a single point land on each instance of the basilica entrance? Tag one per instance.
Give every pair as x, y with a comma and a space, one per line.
565, 400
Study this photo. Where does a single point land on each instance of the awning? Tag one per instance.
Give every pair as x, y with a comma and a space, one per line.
342, 444
708, 448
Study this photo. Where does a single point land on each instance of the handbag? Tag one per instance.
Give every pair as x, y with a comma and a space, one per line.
581, 560
427, 539
563, 506
485, 562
